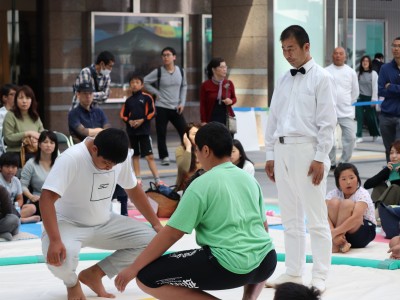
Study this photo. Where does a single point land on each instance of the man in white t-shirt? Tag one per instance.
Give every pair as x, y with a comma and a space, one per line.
76, 209
347, 91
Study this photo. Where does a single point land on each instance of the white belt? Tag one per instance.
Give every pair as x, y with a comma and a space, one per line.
296, 139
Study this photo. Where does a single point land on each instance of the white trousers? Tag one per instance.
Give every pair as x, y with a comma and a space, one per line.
128, 236
300, 199
348, 127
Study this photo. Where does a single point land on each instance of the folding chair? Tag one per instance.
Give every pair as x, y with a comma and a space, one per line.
63, 141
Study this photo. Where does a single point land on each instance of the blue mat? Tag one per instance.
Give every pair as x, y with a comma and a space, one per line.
33, 228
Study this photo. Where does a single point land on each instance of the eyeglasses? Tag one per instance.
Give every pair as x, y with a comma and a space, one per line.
167, 55
396, 46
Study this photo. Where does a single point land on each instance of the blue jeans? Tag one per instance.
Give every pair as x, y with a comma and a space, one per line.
390, 131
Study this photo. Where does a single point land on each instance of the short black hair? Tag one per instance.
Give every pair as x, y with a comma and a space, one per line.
136, 76
5, 90
9, 159
217, 137
297, 32
379, 55
170, 49
214, 63
342, 167
105, 57
296, 291
112, 144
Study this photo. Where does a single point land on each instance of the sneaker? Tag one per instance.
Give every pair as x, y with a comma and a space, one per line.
359, 140
282, 279
319, 284
165, 161
374, 138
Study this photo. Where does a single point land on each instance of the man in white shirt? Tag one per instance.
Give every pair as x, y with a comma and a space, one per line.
299, 136
76, 209
347, 91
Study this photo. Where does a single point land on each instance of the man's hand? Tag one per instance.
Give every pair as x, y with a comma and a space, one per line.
56, 254
269, 169
317, 172
179, 109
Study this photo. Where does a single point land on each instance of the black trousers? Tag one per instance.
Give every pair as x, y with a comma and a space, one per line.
165, 115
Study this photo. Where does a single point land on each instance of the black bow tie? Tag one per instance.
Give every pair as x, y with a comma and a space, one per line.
295, 71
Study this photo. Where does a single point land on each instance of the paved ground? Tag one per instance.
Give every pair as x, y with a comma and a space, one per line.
368, 157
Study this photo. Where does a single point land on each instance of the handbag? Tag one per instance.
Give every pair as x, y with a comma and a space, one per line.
231, 123
29, 145
166, 198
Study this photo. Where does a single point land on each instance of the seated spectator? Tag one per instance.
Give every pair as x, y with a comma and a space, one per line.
391, 173
214, 204
8, 170
36, 170
9, 222
186, 159
7, 95
22, 121
85, 119
240, 159
351, 212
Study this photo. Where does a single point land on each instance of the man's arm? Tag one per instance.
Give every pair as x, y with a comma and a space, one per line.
355, 89
183, 90
139, 198
103, 95
56, 253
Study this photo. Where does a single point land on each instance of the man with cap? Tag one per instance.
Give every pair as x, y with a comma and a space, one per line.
86, 119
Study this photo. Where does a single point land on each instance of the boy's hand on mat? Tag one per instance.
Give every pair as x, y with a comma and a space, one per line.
56, 254
124, 277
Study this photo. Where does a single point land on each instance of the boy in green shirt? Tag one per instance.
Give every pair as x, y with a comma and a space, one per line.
225, 206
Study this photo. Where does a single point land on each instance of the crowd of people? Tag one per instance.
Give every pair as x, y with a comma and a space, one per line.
71, 193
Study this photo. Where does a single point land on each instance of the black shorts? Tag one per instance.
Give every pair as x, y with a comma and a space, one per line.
141, 145
198, 268
363, 236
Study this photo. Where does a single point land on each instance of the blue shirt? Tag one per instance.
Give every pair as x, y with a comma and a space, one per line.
390, 73
93, 118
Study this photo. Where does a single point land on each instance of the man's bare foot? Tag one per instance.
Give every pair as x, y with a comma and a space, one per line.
75, 292
31, 219
345, 247
92, 278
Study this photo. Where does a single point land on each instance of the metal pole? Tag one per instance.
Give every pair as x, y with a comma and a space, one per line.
354, 32
336, 41
345, 23
13, 47
136, 6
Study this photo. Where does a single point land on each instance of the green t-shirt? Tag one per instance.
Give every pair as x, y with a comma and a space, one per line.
226, 207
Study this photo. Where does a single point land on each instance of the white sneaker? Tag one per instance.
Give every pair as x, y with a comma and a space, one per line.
319, 284
374, 138
282, 279
359, 140
165, 161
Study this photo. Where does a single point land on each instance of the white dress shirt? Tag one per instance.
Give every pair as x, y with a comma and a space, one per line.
347, 89
303, 105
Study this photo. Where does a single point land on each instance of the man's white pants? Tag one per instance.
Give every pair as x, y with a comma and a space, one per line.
299, 199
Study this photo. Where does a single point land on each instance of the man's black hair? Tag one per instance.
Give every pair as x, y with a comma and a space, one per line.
5, 90
296, 291
217, 137
378, 55
112, 144
170, 49
105, 57
297, 32
9, 159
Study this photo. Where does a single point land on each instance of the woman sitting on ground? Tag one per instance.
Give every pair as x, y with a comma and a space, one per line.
35, 171
351, 212
391, 173
240, 159
186, 160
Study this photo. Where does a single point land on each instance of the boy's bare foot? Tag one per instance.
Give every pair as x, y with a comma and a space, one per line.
92, 278
345, 247
75, 292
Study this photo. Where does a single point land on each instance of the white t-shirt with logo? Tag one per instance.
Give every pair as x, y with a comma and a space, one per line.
85, 191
